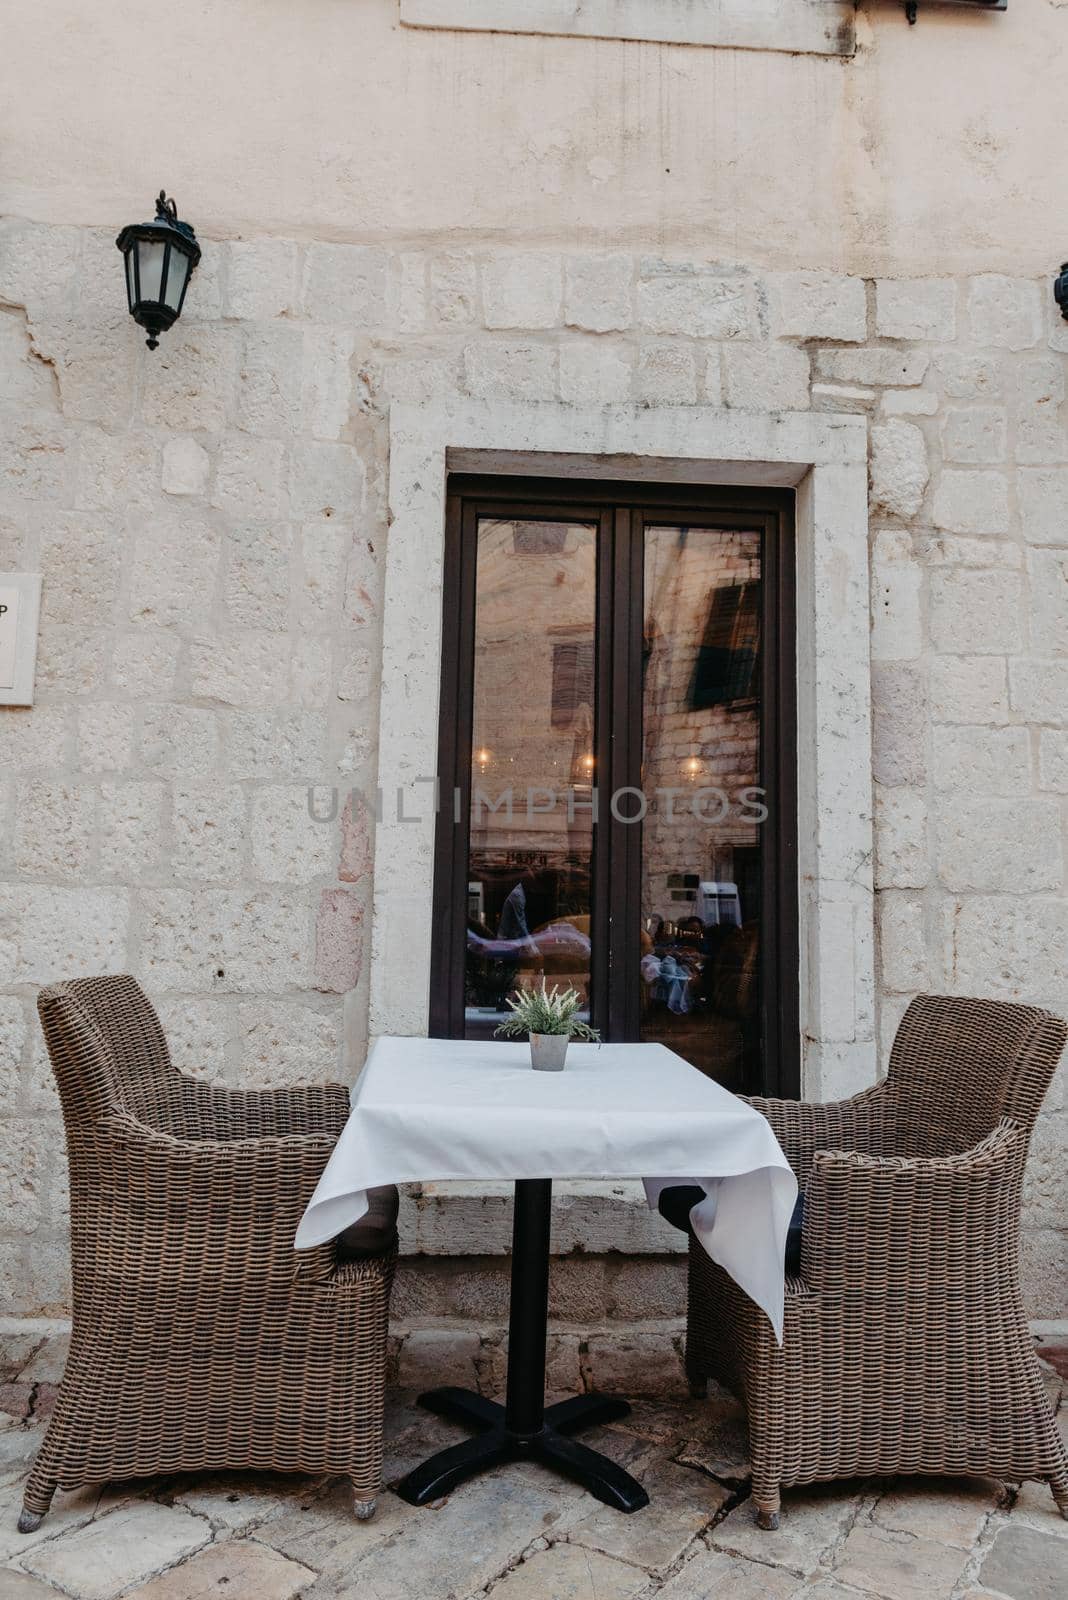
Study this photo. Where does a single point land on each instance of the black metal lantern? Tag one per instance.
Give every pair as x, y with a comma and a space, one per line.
1060, 290
160, 257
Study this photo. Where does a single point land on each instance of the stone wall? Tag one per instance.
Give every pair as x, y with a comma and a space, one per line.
210, 522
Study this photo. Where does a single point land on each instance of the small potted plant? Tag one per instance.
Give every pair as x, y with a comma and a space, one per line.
548, 1016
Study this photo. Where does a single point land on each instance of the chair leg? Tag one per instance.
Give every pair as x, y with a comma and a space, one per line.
37, 1499
1059, 1484
766, 1509
364, 1504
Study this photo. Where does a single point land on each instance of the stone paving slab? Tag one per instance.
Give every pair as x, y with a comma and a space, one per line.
521, 1533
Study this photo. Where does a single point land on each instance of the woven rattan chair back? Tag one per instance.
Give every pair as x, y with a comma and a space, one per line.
108, 1050
959, 1066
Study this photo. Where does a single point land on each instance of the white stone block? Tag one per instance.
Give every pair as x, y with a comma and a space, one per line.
1000, 846
896, 600
1005, 312
284, 1041
263, 278
1043, 496
1048, 572
598, 292
289, 844
186, 465
188, 382
105, 737
327, 385
275, 744
144, 664
117, 470
226, 941
522, 290
818, 305
899, 723
328, 480
975, 435
666, 373
507, 370
82, 563
55, 829
247, 669
760, 377
130, 817
1007, 947
983, 761
902, 857
1053, 760
971, 502
256, 580
454, 288
909, 403
969, 689
179, 741
208, 831
899, 471
975, 612
903, 964
701, 302
1038, 691
916, 308
876, 366
970, 377
173, 573
346, 284
249, 477
269, 372
48, 934
594, 373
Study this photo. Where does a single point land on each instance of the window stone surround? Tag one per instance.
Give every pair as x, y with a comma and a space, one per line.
824, 457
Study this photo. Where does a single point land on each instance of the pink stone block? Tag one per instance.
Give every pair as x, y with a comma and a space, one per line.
338, 941
355, 861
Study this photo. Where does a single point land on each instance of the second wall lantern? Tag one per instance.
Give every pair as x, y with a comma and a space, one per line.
160, 257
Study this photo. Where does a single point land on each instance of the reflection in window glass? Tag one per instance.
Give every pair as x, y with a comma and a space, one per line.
701, 853
530, 823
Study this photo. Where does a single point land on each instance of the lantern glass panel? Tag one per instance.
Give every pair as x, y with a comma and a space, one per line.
177, 272
131, 285
151, 264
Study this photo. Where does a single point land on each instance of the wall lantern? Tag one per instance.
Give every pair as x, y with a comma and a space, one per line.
1060, 290
160, 257
976, 5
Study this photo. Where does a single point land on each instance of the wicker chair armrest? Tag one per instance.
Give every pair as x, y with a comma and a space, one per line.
864, 1122
875, 1223
213, 1111
225, 1194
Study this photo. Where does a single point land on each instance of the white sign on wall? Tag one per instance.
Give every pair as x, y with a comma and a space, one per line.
20, 604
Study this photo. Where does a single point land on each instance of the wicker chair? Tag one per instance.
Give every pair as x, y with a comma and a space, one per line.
201, 1340
906, 1346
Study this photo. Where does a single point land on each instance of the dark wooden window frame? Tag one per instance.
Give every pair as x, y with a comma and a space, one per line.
622, 511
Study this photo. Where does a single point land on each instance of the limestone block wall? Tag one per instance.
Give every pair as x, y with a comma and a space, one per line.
210, 523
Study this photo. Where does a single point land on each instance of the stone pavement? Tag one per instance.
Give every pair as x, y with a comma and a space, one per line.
518, 1533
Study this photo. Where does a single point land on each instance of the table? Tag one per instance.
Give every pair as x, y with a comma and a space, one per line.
433, 1109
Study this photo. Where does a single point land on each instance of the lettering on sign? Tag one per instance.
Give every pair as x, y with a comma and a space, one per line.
9, 624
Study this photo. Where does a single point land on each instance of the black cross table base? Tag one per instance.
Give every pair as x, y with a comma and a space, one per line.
523, 1428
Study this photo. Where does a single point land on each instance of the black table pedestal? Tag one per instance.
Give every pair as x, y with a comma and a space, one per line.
523, 1427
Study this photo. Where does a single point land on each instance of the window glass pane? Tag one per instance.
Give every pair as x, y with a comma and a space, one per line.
530, 823
177, 269
151, 267
701, 840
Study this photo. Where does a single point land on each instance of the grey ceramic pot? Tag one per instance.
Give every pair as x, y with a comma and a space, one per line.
547, 1051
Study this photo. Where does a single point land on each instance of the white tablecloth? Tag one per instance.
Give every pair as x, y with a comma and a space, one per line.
433, 1109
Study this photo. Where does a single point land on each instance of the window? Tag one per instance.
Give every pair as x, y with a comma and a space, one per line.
617, 730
